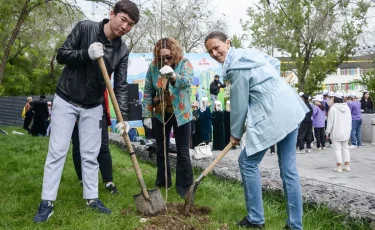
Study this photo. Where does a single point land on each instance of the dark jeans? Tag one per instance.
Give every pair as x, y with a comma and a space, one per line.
320, 137
304, 134
355, 134
184, 171
104, 157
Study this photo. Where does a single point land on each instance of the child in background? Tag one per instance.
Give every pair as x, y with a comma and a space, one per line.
339, 124
319, 113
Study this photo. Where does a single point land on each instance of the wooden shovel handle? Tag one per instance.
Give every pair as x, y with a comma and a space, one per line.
217, 159
120, 119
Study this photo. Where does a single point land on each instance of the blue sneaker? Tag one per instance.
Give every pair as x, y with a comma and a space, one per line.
97, 205
45, 211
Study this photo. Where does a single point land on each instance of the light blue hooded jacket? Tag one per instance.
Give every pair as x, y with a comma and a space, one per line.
273, 109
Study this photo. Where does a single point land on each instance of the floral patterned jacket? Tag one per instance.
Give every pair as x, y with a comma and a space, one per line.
179, 92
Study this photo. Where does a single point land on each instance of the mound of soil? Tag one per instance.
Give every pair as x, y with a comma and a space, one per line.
175, 220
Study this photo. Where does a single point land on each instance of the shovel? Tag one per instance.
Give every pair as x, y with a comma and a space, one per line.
189, 198
148, 202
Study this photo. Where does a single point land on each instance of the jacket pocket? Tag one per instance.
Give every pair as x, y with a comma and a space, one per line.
261, 129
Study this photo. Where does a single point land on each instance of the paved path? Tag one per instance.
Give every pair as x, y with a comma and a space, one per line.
319, 165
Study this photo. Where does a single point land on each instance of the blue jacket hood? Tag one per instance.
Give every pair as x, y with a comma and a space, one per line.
242, 59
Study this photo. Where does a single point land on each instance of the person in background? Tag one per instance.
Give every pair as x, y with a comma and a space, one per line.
168, 89
215, 88
40, 119
319, 114
355, 135
325, 99
339, 124
205, 122
258, 94
305, 128
218, 142
27, 114
366, 103
346, 97
194, 126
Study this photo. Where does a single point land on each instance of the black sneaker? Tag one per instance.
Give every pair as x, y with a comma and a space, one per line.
111, 188
97, 205
45, 211
286, 227
246, 224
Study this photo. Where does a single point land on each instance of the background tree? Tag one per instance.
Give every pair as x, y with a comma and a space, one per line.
318, 35
236, 42
31, 67
188, 21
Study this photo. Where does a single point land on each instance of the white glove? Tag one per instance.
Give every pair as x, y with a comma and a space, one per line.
122, 127
96, 50
148, 122
168, 71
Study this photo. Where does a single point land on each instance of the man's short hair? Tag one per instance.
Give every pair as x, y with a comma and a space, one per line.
217, 76
129, 8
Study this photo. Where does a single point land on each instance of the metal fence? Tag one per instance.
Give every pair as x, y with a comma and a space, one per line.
11, 109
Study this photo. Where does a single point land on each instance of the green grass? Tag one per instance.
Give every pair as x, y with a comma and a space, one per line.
22, 160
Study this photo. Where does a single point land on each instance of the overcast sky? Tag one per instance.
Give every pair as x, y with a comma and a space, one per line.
229, 10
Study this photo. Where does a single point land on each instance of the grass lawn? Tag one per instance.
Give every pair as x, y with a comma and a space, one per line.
22, 160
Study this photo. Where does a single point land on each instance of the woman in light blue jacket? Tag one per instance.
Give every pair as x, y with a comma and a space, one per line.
273, 111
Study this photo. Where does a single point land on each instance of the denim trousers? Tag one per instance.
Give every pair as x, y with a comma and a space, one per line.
286, 152
355, 134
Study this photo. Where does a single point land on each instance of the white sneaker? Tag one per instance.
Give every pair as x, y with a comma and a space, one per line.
359, 146
346, 168
352, 147
319, 149
308, 150
301, 151
338, 169
324, 148
272, 153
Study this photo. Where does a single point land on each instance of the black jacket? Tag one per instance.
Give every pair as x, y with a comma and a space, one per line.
308, 114
367, 106
81, 81
214, 87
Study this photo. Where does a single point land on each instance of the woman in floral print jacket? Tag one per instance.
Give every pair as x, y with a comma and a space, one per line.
173, 83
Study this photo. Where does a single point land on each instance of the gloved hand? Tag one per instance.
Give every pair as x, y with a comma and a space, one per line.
96, 50
167, 71
122, 127
148, 122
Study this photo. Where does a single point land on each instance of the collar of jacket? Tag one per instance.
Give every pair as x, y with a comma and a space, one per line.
227, 61
103, 39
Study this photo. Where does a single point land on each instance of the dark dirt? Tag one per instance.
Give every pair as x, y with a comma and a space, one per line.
175, 220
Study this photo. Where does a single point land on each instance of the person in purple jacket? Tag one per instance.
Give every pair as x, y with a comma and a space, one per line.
355, 135
319, 117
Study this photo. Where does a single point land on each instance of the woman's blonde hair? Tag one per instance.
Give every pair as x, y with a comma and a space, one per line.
173, 46
29, 99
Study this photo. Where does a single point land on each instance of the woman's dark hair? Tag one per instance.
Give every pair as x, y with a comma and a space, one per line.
338, 100
363, 97
217, 34
129, 8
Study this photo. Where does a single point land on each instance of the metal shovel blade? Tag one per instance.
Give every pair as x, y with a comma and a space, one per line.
150, 207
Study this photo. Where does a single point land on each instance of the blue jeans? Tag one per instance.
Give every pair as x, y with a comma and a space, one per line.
355, 134
286, 152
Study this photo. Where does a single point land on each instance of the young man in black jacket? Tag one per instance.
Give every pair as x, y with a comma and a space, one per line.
79, 96
215, 89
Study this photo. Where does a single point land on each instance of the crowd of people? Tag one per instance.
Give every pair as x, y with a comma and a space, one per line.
256, 113
335, 120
